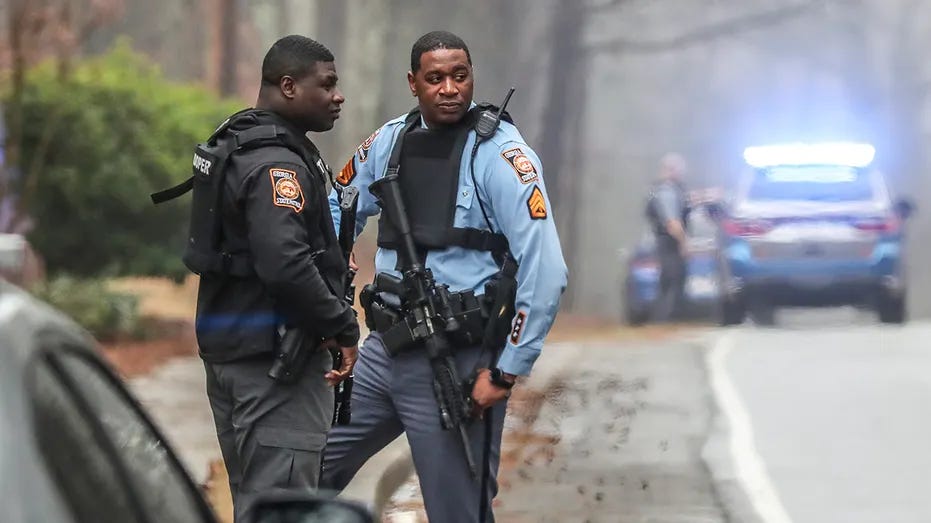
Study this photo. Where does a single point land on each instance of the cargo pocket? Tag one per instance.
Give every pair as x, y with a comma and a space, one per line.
283, 458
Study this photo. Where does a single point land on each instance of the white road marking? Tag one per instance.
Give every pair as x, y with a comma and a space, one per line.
749, 467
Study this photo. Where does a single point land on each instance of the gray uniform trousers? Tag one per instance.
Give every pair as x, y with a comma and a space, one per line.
271, 435
391, 395
673, 269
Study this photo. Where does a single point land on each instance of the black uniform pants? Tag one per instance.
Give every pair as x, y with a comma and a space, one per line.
672, 274
271, 434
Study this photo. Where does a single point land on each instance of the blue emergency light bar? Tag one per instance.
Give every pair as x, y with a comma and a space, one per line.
837, 153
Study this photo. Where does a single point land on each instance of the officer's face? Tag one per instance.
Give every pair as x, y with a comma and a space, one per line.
443, 86
316, 99
670, 172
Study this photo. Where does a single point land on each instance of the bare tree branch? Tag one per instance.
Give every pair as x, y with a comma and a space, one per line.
711, 32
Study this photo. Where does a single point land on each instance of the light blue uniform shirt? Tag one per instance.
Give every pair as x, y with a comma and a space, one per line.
670, 201
510, 185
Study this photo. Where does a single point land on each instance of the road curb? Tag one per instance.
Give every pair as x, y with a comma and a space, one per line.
381, 476
394, 475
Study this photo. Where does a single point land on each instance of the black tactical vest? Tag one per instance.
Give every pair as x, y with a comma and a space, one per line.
428, 162
652, 212
204, 251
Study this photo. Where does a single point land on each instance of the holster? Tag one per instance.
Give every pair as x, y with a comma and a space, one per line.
294, 349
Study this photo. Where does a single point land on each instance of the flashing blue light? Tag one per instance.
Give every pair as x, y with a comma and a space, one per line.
837, 153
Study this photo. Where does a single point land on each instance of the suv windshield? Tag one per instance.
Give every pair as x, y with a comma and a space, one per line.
812, 183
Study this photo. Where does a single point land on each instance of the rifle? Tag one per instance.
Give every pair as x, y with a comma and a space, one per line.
430, 315
349, 198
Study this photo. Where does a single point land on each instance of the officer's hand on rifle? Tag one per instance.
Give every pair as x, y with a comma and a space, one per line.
352, 262
485, 393
349, 357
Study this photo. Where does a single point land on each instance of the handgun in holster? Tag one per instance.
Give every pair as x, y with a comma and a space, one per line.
290, 356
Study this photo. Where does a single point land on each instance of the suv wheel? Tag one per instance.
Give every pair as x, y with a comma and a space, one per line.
891, 309
732, 311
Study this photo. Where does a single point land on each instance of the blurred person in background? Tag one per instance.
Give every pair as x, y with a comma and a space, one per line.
667, 210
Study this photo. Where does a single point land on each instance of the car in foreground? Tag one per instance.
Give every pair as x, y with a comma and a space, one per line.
812, 225
641, 276
76, 447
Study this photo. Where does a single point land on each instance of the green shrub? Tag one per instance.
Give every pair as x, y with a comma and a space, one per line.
95, 145
106, 314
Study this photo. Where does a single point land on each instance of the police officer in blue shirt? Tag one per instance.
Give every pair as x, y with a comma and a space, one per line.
471, 212
668, 210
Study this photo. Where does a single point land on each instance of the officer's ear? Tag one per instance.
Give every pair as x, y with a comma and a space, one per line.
288, 87
410, 82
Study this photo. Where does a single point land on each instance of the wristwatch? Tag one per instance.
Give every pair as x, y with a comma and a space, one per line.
498, 379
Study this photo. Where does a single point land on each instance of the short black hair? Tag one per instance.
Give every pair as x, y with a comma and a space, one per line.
293, 56
436, 40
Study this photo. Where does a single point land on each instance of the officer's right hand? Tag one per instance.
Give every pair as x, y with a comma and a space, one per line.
352, 261
350, 355
684, 249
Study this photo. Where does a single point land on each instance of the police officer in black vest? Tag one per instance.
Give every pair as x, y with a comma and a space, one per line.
668, 210
264, 244
467, 284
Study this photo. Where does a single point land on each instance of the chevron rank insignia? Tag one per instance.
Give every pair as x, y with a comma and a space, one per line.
536, 204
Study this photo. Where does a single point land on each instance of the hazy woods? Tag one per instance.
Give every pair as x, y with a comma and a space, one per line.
604, 87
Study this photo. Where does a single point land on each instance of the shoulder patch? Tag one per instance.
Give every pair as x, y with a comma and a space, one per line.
521, 163
363, 150
287, 189
347, 174
518, 328
536, 204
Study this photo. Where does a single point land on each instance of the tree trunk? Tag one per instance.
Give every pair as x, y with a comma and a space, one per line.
283, 21
228, 80
331, 29
565, 86
365, 52
17, 11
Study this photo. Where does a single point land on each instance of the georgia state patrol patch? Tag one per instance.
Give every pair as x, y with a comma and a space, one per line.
363, 150
288, 192
521, 164
347, 173
536, 204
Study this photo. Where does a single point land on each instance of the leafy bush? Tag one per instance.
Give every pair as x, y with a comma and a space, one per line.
95, 145
108, 315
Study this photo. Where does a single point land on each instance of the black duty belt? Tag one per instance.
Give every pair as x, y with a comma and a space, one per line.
386, 315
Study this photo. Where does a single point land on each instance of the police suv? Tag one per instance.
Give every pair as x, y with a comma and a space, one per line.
812, 225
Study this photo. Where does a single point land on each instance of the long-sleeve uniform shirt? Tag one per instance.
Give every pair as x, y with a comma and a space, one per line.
510, 185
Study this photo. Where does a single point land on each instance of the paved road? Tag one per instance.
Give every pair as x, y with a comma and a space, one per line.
628, 424
609, 432
830, 417
816, 421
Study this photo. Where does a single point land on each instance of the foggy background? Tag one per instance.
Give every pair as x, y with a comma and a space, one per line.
604, 87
